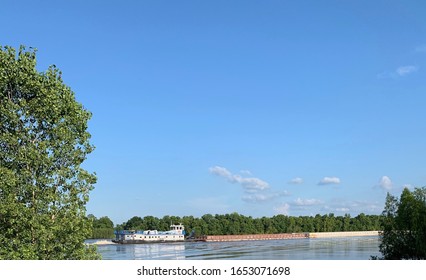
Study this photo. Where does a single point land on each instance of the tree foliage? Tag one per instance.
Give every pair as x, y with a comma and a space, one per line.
102, 227
43, 142
403, 233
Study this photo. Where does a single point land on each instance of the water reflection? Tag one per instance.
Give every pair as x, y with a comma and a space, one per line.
354, 248
175, 251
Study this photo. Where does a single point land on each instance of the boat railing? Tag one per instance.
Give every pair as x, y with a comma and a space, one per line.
125, 232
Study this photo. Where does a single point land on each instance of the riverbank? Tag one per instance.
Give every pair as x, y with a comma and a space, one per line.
99, 242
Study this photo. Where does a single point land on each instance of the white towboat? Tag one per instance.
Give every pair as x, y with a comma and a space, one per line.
175, 234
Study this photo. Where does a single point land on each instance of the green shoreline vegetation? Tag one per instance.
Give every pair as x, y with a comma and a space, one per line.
234, 223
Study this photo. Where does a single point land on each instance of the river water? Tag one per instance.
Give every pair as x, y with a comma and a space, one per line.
348, 248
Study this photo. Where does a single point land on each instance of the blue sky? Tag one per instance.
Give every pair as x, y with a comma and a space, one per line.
255, 107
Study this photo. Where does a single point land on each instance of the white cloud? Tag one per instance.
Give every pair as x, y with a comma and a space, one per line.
296, 181
399, 72
385, 183
246, 172
406, 70
282, 209
220, 171
307, 202
257, 197
262, 197
249, 183
366, 206
329, 180
353, 206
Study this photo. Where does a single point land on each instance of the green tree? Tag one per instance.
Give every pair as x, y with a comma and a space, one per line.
151, 222
362, 222
347, 222
43, 142
268, 225
103, 222
403, 234
280, 222
102, 227
318, 224
308, 224
134, 223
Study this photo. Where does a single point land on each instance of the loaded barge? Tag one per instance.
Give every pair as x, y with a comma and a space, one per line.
177, 234
245, 237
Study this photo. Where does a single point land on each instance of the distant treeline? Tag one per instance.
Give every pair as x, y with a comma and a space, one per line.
239, 224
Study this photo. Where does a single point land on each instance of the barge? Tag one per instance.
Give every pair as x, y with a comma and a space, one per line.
255, 237
177, 234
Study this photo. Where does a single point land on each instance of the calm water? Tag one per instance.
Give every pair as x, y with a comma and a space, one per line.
352, 248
